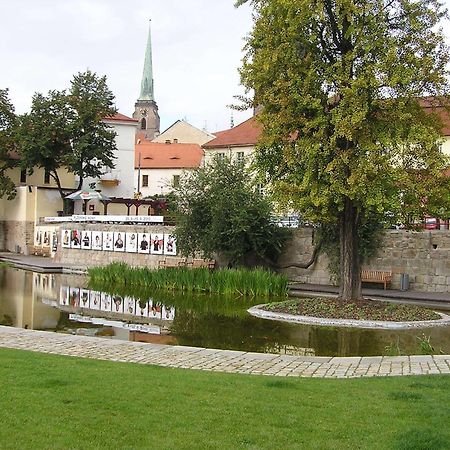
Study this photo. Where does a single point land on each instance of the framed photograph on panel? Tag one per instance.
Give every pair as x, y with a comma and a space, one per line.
74, 299
130, 305
97, 240
117, 304
65, 238
131, 242
155, 311
105, 304
75, 239
95, 301
157, 244
46, 237
170, 245
143, 243
84, 296
119, 244
168, 313
86, 240
64, 295
108, 241
141, 308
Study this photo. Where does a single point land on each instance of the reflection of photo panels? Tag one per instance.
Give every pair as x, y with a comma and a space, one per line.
129, 305
86, 240
74, 297
170, 245
84, 298
95, 300
157, 243
119, 244
75, 239
97, 240
108, 241
141, 308
168, 313
143, 243
105, 304
155, 311
46, 236
54, 241
64, 295
117, 304
131, 242
65, 238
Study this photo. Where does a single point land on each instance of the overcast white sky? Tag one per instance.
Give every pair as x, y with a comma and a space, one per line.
197, 48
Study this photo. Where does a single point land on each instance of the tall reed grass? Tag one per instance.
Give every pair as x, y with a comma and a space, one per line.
237, 282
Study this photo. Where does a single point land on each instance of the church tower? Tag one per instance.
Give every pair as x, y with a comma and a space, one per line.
146, 109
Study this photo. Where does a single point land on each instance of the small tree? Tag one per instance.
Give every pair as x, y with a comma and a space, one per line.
66, 131
218, 211
8, 123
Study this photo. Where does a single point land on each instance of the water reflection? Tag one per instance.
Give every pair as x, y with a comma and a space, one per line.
66, 303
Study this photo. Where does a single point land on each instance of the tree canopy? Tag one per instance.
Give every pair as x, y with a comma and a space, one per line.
66, 130
8, 122
343, 86
218, 211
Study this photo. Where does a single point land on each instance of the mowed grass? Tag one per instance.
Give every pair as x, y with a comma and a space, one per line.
55, 402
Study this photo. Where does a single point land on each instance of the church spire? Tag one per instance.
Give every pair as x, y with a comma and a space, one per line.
147, 75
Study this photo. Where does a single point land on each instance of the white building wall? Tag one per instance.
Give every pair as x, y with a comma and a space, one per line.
159, 181
229, 152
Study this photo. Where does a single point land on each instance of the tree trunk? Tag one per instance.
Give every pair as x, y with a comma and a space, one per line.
350, 269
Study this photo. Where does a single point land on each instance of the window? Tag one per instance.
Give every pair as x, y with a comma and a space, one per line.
221, 156
144, 180
143, 124
176, 181
46, 177
23, 176
260, 189
240, 158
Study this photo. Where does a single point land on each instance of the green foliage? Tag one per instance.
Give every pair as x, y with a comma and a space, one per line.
8, 122
345, 133
237, 282
65, 130
219, 211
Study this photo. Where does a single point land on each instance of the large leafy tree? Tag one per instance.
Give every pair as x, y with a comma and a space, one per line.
66, 130
219, 212
8, 122
345, 132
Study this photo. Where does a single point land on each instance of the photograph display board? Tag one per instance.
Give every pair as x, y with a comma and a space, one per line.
157, 244
74, 297
117, 241
119, 244
130, 307
117, 304
84, 298
96, 298
131, 242
86, 240
108, 241
97, 238
105, 304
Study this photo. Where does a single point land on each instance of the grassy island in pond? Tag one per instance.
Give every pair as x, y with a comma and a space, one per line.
331, 308
240, 282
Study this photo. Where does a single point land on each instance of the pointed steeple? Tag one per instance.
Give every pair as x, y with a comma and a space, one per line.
146, 109
147, 75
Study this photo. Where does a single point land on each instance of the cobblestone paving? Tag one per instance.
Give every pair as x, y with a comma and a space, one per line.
221, 360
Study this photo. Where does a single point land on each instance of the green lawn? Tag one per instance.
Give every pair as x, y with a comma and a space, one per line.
55, 402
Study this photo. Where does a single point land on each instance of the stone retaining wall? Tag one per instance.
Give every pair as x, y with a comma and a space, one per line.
16, 235
424, 256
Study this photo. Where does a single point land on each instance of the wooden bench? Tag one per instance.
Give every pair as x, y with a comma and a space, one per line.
171, 263
39, 251
376, 276
206, 263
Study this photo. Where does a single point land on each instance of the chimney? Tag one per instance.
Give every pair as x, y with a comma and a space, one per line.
175, 141
168, 141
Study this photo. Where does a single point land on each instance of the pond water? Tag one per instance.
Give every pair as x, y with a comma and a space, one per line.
67, 304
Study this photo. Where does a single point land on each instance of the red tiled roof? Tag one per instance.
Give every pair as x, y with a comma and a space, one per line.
431, 104
121, 118
246, 133
157, 155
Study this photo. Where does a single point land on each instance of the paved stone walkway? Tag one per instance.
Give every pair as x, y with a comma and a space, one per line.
221, 360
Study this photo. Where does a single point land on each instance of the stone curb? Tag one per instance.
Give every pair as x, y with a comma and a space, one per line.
257, 311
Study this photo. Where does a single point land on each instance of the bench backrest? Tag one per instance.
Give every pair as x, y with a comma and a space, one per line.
380, 275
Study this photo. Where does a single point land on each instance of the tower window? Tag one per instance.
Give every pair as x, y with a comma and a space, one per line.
143, 124
144, 180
